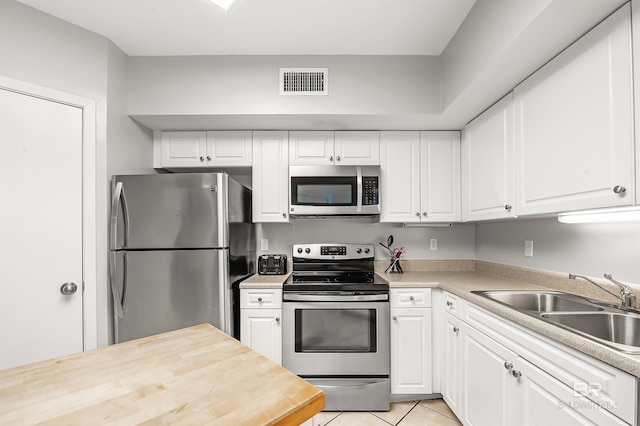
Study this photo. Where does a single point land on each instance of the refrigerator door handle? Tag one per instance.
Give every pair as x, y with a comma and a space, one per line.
118, 301
117, 199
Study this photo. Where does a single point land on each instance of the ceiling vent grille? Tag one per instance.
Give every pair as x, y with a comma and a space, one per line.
304, 81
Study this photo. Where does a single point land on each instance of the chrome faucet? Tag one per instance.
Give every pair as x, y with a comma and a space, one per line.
626, 296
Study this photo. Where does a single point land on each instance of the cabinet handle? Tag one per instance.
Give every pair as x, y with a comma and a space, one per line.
337, 158
456, 329
507, 207
508, 365
395, 318
259, 299
277, 319
412, 298
331, 158
201, 158
449, 303
516, 374
208, 158
618, 189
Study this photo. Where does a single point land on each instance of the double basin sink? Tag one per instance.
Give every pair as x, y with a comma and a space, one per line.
611, 325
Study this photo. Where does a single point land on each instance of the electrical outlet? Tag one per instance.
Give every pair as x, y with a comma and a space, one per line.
433, 244
264, 244
528, 248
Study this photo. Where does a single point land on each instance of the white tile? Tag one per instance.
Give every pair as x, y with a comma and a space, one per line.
421, 416
324, 417
353, 418
396, 413
440, 406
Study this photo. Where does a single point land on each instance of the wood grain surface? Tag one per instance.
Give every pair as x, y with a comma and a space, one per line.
193, 376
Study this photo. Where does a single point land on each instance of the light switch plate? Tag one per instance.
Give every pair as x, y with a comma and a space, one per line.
433, 244
528, 248
264, 244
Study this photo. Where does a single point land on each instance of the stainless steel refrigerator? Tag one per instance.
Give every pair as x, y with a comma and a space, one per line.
180, 245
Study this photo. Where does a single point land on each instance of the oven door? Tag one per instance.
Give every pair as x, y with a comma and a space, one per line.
336, 338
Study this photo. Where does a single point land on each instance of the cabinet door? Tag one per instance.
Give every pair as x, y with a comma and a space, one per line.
573, 121
488, 174
543, 400
260, 329
411, 351
184, 149
270, 176
487, 383
311, 148
452, 363
400, 176
440, 176
357, 148
231, 148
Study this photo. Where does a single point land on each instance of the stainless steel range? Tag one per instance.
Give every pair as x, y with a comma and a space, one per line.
336, 325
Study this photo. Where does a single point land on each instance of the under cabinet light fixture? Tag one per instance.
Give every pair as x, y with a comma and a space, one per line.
623, 214
225, 5
426, 225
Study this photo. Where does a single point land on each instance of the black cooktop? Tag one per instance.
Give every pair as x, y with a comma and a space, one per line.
335, 281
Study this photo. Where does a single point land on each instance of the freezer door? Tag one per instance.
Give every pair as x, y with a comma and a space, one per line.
187, 210
159, 291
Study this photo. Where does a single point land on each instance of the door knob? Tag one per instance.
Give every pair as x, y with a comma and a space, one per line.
68, 288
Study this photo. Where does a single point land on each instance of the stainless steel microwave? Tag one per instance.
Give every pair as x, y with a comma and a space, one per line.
320, 191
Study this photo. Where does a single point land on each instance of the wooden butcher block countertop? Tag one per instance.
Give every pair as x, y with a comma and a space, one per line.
194, 376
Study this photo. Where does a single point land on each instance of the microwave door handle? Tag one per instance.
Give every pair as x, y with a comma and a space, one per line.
359, 184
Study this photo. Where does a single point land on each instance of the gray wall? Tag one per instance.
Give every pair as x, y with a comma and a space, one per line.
456, 242
585, 249
46, 51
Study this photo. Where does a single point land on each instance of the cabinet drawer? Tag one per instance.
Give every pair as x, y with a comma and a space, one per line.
261, 298
410, 297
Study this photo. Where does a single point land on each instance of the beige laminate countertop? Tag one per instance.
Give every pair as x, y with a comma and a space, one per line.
193, 376
463, 283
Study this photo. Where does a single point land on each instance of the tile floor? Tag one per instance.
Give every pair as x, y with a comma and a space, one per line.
434, 412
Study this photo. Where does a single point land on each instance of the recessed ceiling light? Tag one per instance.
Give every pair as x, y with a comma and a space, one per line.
225, 5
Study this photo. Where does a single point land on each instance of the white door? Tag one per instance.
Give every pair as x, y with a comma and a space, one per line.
41, 221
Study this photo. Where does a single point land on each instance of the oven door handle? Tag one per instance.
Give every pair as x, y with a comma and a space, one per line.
333, 297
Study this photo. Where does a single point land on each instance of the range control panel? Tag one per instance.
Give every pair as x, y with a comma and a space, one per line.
333, 251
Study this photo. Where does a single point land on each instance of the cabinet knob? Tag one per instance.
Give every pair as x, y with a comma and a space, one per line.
418, 214
507, 207
337, 158
277, 319
508, 365
208, 158
456, 329
284, 215
618, 189
449, 303
516, 374
331, 158
201, 158
412, 298
395, 318
424, 213
259, 299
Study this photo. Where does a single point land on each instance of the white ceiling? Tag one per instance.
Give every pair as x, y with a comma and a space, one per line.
267, 27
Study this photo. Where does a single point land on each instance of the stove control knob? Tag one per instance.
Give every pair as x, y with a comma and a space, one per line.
299, 250
307, 250
358, 250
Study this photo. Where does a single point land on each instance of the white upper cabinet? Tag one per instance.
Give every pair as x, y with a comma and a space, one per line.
357, 148
573, 125
202, 149
420, 173
232, 148
325, 148
270, 176
488, 175
181, 149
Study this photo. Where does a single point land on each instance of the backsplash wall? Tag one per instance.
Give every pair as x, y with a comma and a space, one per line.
455, 242
584, 249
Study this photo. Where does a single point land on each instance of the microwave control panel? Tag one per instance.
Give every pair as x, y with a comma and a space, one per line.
370, 196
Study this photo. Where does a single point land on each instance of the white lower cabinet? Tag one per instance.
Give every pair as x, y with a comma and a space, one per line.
260, 321
411, 348
498, 373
